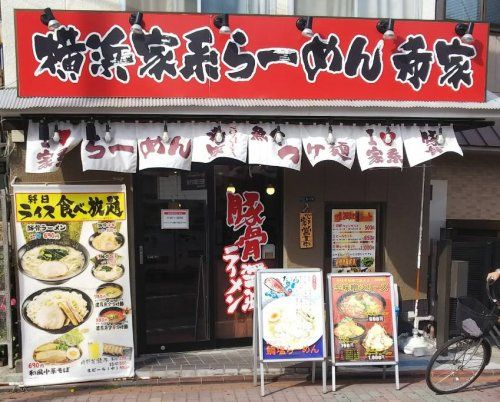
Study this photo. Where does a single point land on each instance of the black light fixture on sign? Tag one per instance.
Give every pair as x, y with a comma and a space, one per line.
90, 132
56, 137
107, 135
43, 130
221, 22
304, 24
165, 137
219, 136
136, 22
48, 19
386, 28
330, 139
465, 30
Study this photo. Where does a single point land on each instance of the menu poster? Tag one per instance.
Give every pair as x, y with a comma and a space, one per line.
362, 322
354, 239
291, 314
74, 284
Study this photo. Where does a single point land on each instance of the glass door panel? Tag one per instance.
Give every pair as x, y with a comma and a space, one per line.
172, 274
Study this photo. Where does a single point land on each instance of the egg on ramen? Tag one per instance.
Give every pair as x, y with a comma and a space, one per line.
52, 262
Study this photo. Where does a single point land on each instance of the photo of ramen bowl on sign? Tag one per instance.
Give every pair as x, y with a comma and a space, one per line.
52, 261
107, 241
57, 310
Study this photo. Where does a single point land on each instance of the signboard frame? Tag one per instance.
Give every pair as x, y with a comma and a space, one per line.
379, 230
258, 329
35, 78
29, 285
384, 363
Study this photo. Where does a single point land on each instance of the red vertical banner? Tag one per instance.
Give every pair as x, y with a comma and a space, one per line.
245, 212
363, 326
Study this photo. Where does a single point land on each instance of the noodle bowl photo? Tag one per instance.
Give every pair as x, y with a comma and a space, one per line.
52, 262
57, 310
107, 241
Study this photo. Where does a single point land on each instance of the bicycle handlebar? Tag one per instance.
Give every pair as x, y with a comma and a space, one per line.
490, 293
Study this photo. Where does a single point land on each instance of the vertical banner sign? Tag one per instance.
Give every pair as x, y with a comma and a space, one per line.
378, 146
362, 322
306, 229
291, 314
243, 258
354, 239
74, 283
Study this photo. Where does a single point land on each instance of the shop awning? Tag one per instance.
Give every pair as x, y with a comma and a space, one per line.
479, 139
12, 105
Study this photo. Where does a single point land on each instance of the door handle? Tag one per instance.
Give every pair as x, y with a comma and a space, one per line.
141, 255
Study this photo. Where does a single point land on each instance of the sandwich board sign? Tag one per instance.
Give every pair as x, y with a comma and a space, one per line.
363, 329
289, 321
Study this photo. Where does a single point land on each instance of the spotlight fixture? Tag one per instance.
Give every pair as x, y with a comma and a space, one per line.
56, 137
90, 132
330, 139
43, 130
278, 136
304, 24
48, 19
440, 138
136, 22
230, 189
165, 136
386, 28
221, 22
218, 135
107, 136
270, 189
465, 30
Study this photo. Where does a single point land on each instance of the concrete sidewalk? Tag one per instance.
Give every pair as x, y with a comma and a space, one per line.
236, 364
485, 389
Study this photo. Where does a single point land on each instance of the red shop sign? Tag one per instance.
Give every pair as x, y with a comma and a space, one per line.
183, 55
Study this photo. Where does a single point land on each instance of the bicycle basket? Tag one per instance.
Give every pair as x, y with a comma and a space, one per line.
469, 308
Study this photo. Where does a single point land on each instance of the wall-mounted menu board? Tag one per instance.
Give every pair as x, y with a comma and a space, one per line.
353, 240
74, 284
362, 321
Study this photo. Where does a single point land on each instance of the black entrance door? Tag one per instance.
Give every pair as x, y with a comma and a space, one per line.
172, 277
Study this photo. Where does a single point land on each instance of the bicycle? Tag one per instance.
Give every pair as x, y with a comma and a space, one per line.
461, 360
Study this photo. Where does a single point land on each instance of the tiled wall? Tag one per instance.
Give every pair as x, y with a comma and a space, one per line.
473, 184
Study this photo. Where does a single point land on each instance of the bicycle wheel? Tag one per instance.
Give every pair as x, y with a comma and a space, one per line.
457, 364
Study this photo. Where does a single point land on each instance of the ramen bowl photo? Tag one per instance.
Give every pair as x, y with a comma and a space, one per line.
52, 261
291, 323
107, 241
108, 272
109, 291
113, 315
361, 305
57, 310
